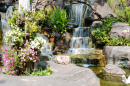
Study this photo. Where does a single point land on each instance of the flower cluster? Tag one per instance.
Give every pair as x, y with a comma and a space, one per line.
27, 55
14, 37
16, 60
10, 60
38, 43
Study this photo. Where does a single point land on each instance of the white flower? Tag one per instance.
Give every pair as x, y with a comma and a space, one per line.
38, 43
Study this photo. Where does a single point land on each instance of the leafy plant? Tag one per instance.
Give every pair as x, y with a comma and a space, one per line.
102, 34
58, 20
33, 21
119, 41
42, 72
123, 10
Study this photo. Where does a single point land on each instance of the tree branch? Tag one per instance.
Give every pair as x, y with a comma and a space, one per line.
94, 11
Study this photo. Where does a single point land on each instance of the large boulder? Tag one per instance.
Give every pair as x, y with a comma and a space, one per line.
114, 70
117, 55
103, 8
64, 75
120, 29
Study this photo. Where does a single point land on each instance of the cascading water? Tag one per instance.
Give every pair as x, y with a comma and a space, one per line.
76, 13
48, 50
4, 20
80, 41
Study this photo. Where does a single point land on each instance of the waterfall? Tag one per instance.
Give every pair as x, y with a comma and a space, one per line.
80, 41
76, 13
9, 12
4, 20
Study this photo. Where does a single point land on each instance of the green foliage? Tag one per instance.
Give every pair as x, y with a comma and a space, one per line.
31, 1
33, 21
102, 34
123, 10
58, 20
40, 72
119, 41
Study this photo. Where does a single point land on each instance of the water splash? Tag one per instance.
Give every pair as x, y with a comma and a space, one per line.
76, 13
80, 41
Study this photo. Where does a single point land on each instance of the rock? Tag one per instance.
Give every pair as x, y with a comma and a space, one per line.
89, 14
40, 4
73, 25
103, 8
62, 59
42, 64
120, 29
114, 70
117, 55
96, 23
64, 75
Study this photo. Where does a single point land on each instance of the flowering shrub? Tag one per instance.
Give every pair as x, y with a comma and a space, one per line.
11, 61
38, 43
16, 60
27, 55
14, 37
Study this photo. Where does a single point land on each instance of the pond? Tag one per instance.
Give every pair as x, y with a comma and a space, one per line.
109, 80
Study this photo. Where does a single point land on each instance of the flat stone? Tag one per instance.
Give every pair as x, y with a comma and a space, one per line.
64, 75
114, 70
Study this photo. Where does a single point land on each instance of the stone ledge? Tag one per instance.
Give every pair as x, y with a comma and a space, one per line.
64, 75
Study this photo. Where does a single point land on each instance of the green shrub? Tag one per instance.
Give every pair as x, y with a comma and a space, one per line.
58, 20
102, 34
123, 10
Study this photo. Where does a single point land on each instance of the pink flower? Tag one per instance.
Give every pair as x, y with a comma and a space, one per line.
13, 72
30, 58
34, 60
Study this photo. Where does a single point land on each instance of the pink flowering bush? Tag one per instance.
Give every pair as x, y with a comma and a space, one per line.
11, 61
16, 60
